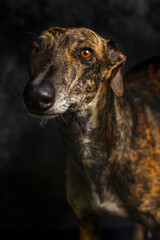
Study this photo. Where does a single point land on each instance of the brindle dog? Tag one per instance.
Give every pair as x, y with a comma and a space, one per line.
112, 136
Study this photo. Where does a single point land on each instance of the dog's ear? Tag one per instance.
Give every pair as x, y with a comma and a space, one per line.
117, 84
115, 60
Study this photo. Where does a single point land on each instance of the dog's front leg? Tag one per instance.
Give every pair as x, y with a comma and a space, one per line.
89, 228
138, 232
79, 198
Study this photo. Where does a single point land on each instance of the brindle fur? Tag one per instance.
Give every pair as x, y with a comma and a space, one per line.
113, 138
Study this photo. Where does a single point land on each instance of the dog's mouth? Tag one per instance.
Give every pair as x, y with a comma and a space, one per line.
49, 114
40, 114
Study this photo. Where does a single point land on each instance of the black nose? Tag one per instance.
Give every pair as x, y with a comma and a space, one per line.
39, 97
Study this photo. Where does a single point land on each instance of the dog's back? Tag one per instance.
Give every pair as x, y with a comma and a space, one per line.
142, 92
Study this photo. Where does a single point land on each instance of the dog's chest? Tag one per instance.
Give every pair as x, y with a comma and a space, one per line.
89, 191
93, 169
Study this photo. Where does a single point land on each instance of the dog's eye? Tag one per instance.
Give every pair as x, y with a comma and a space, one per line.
86, 53
32, 50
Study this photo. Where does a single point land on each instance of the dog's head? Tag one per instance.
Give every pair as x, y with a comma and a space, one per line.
66, 67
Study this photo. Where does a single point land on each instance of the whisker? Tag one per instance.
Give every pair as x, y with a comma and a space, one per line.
43, 122
61, 115
58, 118
18, 94
54, 124
48, 124
20, 109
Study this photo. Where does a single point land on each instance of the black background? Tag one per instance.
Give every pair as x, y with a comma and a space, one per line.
32, 154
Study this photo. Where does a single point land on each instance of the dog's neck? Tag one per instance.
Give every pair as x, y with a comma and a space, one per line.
92, 134
98, 138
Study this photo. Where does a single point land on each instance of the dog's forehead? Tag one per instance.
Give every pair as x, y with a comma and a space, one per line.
74, 34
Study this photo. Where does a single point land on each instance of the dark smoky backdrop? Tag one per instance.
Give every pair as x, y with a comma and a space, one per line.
32, 153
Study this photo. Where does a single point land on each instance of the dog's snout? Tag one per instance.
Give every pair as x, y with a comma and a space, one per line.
39, 97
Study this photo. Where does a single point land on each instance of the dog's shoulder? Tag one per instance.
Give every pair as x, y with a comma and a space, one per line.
142, 84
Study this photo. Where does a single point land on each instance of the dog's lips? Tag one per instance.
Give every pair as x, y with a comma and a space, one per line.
42, 115
39, 114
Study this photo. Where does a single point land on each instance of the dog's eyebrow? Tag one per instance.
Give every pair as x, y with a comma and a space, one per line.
91, 36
